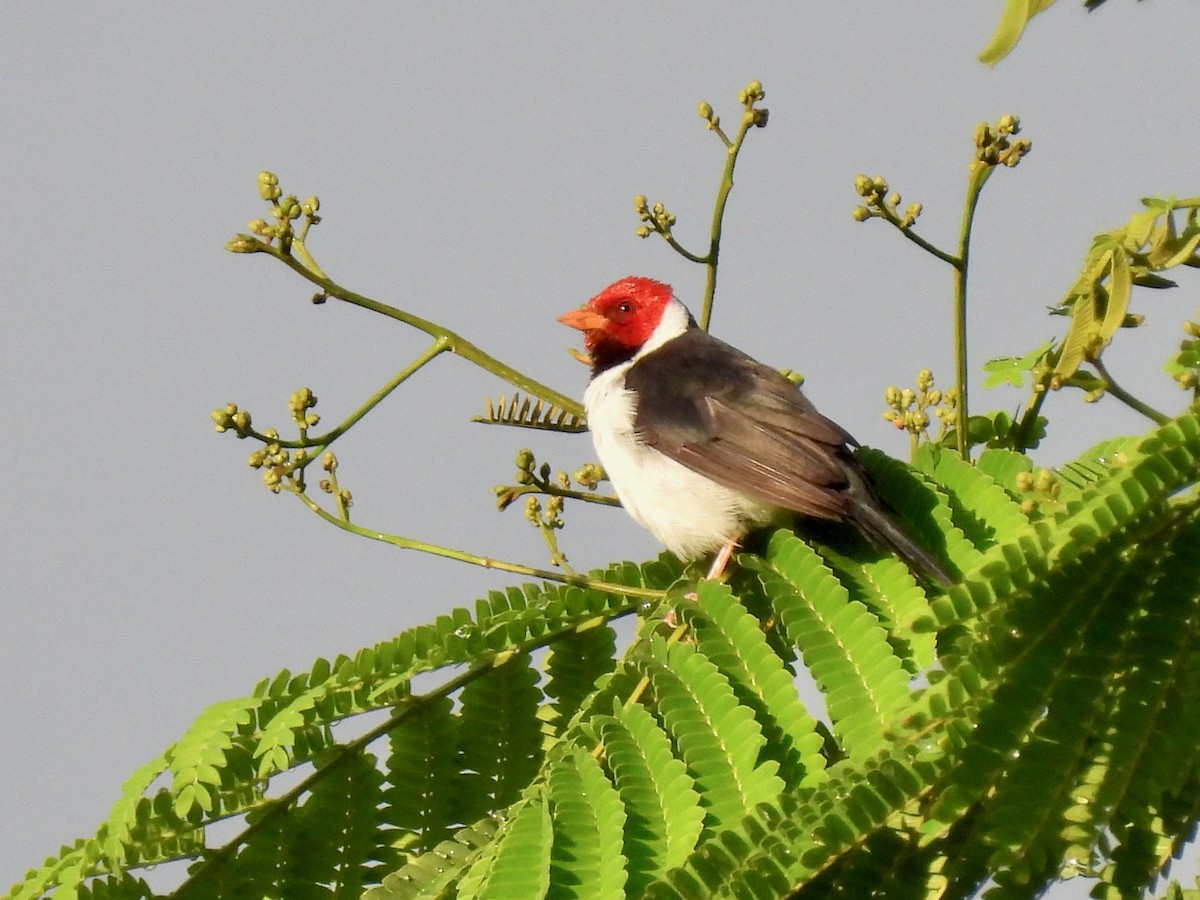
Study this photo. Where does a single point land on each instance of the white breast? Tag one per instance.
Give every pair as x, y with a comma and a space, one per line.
690, 514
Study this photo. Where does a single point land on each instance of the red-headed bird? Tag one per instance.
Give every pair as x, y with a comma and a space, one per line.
703, 443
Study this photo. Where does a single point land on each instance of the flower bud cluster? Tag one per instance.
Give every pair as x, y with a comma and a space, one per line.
589, 476
880, 202
231, 417
658, 216
752, 94
552, 518
278, 463
1040, 487
908, 409
994, 145
283, 212
299, 405
330, 486
1184, 366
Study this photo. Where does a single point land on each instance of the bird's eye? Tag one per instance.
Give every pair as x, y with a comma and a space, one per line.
626, 308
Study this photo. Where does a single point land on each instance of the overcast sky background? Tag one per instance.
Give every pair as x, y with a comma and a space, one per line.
476, 166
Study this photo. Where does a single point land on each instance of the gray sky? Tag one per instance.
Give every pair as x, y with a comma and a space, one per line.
476, 165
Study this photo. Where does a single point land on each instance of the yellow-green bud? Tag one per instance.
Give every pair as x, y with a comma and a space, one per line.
879, 185
907, 397
328, 461
244, 244
1008, 124
705, 111
1024, 482
268, 186
862, 185
1043, 481
641, 205
934, 397
525, 459
925, 379
891, 396
642, 231
860, 214
1028, 507
221, 419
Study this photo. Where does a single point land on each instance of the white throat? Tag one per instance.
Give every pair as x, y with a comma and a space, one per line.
674, 322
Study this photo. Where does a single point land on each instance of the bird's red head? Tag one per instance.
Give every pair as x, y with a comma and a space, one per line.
621, 318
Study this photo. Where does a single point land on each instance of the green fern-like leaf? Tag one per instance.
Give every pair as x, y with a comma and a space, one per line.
841, 641
662, 807
503, 706
517, 862
422, 779
734, 641
525, 412
587, 860
718, 740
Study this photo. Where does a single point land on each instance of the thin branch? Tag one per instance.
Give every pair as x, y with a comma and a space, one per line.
452, 342
486, 562
1127, 398
979, 174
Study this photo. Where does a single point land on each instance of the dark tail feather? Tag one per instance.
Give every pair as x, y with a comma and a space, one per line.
880, 530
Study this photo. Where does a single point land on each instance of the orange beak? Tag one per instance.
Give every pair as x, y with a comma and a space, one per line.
583, 319
586, 321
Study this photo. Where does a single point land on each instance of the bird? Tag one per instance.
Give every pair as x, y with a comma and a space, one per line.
704, 444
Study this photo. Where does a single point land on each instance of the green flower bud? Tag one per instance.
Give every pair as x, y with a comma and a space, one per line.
328, 461
705, 111
862, 185
1008, 124
222, 419
244, 244
1024, 482
268, 186
860, 214
891, 396
642, 231
641, 206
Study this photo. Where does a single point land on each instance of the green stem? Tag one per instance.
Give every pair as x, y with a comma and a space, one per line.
475, 560
434, 350
979, 174
916, 238
553, 490
1127, 398
453, 342
1024, 429
714, 246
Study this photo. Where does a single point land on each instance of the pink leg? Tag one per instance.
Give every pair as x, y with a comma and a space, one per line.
721, 560
716, 570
